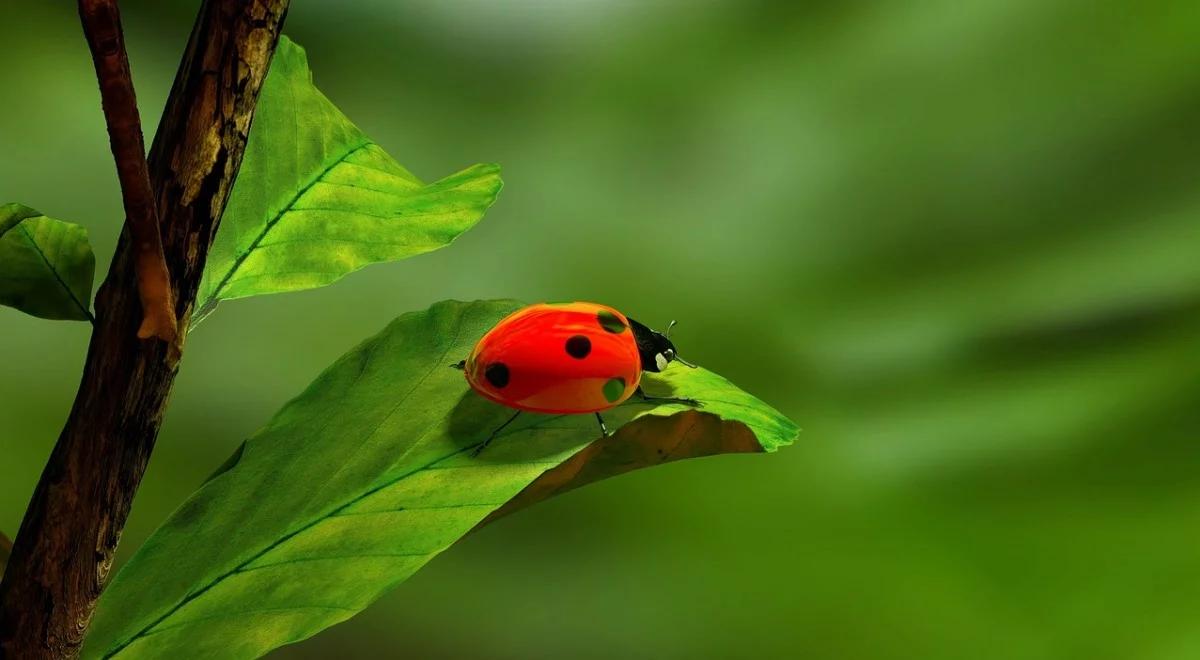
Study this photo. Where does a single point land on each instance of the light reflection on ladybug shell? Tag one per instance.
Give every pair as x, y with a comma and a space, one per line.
557, 358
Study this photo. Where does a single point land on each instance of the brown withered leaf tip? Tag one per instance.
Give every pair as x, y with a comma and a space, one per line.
648, 441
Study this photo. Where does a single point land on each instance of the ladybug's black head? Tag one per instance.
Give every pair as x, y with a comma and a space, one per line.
655, 348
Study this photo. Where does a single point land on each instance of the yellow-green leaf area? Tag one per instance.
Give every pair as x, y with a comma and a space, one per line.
316, 199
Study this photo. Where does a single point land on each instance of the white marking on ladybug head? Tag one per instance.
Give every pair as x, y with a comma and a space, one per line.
661, 361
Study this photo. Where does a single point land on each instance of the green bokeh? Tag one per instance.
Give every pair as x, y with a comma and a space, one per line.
958, 242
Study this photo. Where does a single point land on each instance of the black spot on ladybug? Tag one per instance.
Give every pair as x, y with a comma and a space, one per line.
497, 374
579, 346
613, 389
610, 322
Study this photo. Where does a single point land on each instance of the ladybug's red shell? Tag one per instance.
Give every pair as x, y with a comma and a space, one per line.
561, 358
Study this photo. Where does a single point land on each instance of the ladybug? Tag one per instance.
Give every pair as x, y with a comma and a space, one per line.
567, 358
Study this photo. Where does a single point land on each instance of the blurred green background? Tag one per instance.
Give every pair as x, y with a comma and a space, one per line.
958, 242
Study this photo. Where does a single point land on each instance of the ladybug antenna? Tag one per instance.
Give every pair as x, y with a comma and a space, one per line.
675, 356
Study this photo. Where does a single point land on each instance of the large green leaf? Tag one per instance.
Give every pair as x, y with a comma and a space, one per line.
46, 265
316, 199
367, 475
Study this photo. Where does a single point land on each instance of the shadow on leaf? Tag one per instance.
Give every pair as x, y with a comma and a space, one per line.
648, 441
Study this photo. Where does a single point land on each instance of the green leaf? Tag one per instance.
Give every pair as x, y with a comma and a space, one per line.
46, 265
315, 199
368, 474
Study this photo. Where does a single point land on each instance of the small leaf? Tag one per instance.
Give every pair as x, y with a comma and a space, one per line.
315, 199
46, 265
368, 475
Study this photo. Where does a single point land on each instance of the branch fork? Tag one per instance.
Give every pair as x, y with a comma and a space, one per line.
102, 26
173, 202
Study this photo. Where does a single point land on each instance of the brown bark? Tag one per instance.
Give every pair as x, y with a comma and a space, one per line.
64, 548
5, 548
102, 26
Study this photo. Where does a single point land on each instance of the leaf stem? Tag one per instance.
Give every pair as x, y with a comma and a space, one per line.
102, 26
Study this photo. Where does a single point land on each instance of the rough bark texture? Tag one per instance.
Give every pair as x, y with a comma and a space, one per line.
102, 26
64, 548
5, 548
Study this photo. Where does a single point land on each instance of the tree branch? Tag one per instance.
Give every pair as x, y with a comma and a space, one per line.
102, 26
5, 549
64, 548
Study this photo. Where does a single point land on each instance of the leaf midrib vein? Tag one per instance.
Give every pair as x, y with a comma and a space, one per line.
240, 568
237, 262
311, 558
53, 271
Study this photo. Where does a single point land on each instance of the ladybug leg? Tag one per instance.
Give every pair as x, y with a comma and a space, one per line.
666, 399
483, 445
460, 365
603, 429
